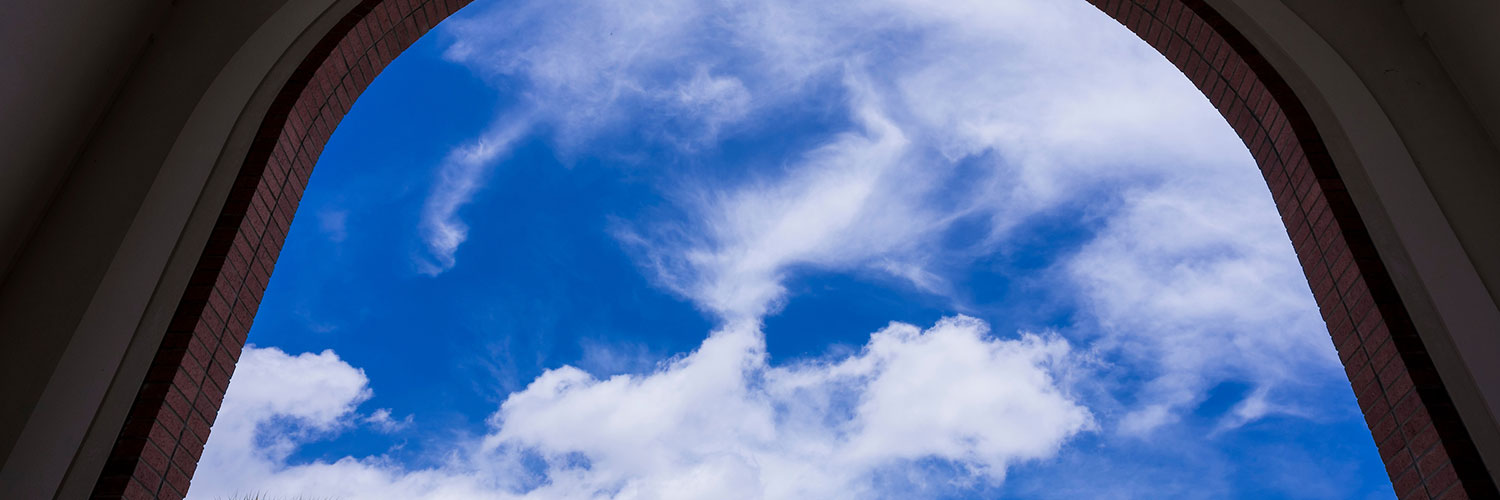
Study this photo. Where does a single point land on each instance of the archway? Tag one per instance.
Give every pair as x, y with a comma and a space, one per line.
1426, 447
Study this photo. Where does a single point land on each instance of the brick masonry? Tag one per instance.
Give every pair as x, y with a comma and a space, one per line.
1426, 449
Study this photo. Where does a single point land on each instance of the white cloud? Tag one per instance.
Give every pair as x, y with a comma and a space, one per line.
996, 111
382, 421
274, 402
720, 422
461, 175
835, 209
1054, 100
714, 101
809, 430
1196, 277
1191, 279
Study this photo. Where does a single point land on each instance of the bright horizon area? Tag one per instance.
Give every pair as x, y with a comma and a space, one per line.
888, 249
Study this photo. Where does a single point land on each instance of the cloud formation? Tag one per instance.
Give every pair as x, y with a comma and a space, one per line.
276, 402
1197, 277
720, 422
1053, 101
995, 112
959, 115
835, 209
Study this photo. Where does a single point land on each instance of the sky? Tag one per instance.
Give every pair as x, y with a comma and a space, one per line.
658, 249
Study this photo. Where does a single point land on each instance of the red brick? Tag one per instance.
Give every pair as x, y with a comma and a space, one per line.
176, 484
178, 402
1433, 459
153, 457
148, 478
1398, 464
1406, 404
1441, 480
1455, 493
1383, 429
182, 460
192, 445
135, 491
1406, 483
1423, 440
169, 421
199, 425
1400, 384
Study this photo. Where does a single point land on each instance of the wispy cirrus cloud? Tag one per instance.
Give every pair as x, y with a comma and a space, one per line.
832, 210
461, 175
1198, 276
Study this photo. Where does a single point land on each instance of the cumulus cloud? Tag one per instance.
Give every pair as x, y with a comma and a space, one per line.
720, 422
275, 402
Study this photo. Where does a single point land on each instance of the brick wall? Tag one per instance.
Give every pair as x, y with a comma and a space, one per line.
1426, 449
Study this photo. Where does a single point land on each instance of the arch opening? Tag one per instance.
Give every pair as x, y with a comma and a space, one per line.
1426, 448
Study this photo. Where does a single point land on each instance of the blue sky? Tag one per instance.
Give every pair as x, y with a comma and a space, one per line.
890, 249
